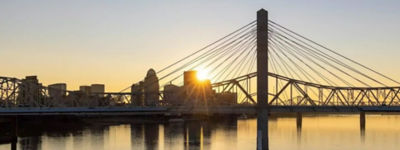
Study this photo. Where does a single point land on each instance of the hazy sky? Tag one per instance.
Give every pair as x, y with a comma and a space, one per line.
115, 42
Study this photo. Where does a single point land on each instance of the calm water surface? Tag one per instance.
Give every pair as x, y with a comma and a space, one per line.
332, 132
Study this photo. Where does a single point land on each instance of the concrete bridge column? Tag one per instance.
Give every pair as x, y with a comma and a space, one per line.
14, 144
15, 133
262, 80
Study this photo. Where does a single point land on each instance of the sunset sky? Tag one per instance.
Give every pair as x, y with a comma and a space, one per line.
116, 42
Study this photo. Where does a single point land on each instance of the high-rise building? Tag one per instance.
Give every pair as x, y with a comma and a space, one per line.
197, 92
97, 89
173, 94
30, 92
137, 94
57, 90
94, 89
151, 88
87, 90
190, 78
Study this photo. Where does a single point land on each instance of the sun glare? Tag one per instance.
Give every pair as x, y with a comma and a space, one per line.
202, 74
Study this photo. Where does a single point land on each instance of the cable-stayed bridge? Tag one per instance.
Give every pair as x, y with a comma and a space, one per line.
301, 72
264, 66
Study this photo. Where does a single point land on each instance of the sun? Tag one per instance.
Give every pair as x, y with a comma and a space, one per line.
202, 74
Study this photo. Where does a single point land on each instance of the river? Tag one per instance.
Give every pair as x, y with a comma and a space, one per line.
317, 132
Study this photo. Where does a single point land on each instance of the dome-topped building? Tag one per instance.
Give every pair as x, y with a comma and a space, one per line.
151, 88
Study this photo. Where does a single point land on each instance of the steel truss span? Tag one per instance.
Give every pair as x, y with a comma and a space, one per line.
285, 91
8, 91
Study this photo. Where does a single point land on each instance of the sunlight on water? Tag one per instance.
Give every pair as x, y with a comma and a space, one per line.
332, 132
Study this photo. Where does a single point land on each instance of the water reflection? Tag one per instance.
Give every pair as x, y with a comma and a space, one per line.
362, 127
151, 136
299, 123
303, 132
175, 135
193, 135
31, 143
137, 136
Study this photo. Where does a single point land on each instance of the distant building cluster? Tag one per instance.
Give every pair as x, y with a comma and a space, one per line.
193, 92
33, 94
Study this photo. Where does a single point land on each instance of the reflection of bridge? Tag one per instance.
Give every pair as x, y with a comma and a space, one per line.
304, 76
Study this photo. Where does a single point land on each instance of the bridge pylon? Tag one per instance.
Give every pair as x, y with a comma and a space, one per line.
262, 80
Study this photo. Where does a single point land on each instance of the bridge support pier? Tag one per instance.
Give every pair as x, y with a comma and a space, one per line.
14, 133
14, 144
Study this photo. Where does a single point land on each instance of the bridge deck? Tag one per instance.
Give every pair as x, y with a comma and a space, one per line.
170, 111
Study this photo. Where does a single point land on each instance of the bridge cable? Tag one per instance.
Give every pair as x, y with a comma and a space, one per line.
320, 45
304, 73
227, 38
328, 81
277, 48
198, 51
322, 60
230, 65
314, 54
319, 65
243, 49
197, 63
241, 38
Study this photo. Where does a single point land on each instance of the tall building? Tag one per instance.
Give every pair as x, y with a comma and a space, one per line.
173, 94
97, 88
57, 90
87, 90
197, 92
151, 88
137, 94
190, 78
94, 89
29, 93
